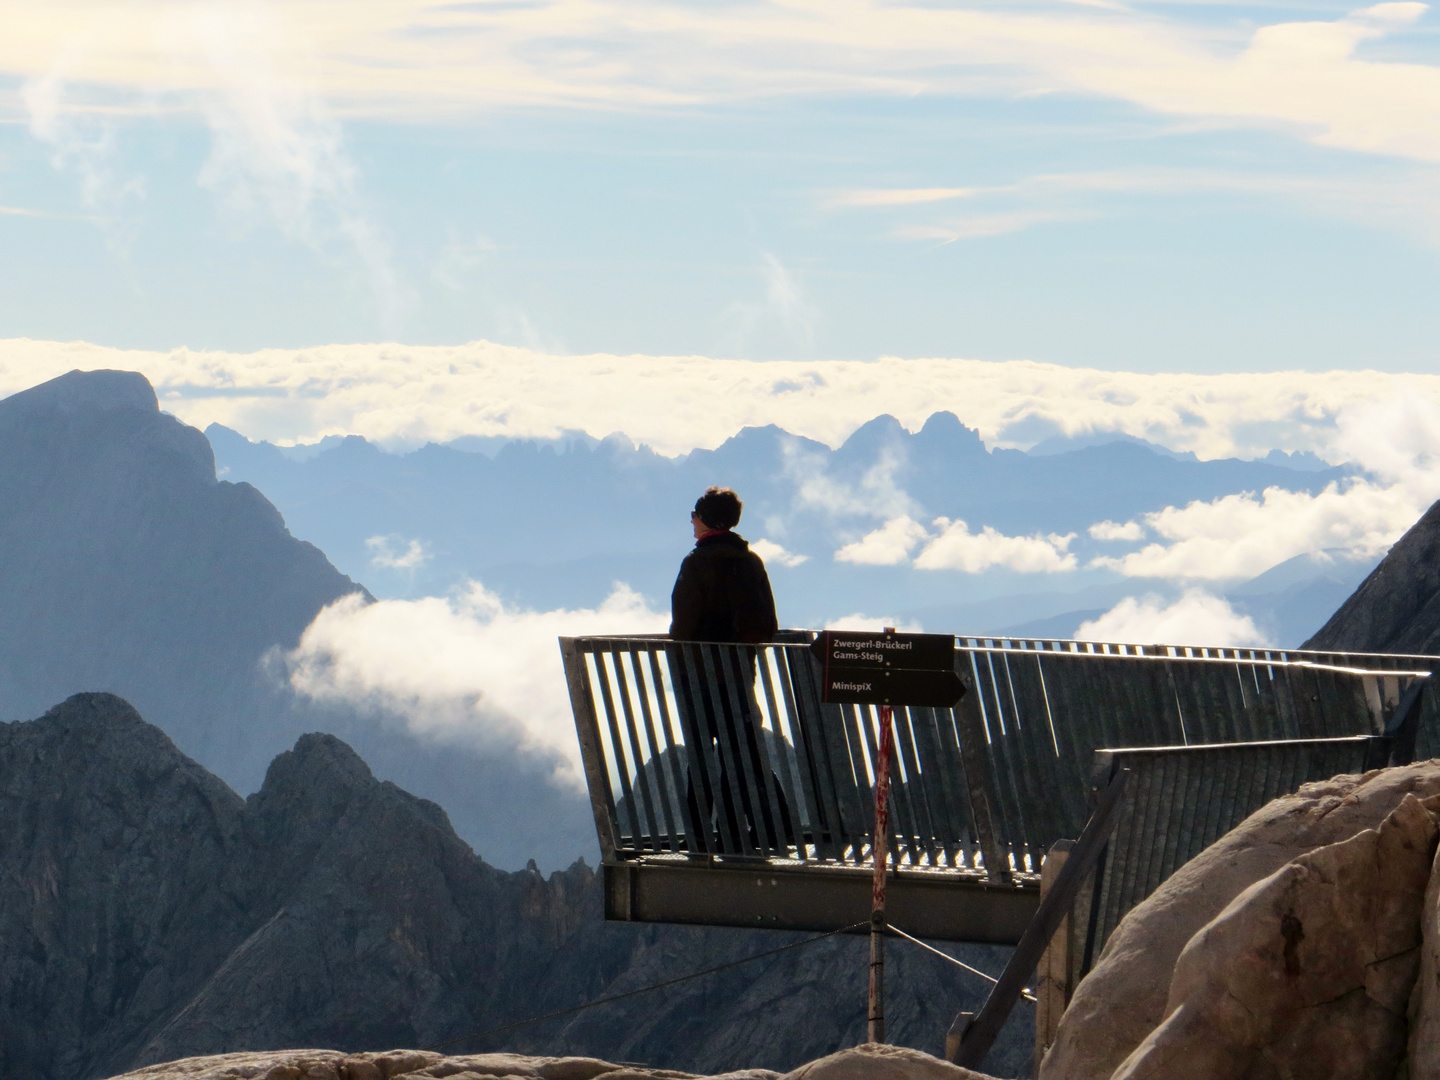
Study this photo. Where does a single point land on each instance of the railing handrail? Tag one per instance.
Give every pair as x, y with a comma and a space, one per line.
1422, 664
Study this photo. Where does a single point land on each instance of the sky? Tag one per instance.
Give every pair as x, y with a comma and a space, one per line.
1148, 187
1213, 225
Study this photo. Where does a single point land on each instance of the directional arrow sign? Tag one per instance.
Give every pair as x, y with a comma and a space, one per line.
888, 669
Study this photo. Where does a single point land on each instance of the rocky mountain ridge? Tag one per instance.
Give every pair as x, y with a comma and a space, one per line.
148, 913
130, 568
1396, 609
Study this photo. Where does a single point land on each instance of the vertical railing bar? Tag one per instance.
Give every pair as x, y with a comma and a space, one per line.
949, 741
920, 837
863, 727
937, 783
676, 753
657, 765
617, 746
826, 744
622, 691
741, 692
974, 756
731, 769
798, 686
587, 730
1002, 766
685, 674
788, 775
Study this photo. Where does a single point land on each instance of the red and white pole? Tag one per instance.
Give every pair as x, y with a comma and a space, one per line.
875, 1026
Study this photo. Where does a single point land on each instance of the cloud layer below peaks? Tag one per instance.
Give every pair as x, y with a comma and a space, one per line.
401, 395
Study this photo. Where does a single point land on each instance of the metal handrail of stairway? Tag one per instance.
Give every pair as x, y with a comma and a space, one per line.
725, 793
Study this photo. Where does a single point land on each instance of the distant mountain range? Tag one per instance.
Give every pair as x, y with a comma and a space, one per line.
555, 524
130, 568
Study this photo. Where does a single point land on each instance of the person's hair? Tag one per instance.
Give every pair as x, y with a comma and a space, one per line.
719, 508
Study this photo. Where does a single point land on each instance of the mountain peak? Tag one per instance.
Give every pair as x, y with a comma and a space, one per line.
1396, 608
83, 391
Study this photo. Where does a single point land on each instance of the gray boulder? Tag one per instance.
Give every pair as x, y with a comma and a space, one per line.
1308, 973
1125, 996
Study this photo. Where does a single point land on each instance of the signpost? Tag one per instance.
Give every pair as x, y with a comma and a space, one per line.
888, 669
885, 669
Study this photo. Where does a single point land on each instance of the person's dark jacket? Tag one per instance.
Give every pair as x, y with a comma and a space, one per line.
722, 594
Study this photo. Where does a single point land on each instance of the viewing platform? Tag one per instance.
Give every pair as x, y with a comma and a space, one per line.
725, 793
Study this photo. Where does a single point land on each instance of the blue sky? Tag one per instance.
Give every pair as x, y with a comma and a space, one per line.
1143, 187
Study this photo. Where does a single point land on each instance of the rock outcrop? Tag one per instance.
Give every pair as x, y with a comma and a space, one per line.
1125, 996
130, 568
866, 1062
878, 1061
1309, 972
1397, 608
406, 1065
1423, 1014
148, 913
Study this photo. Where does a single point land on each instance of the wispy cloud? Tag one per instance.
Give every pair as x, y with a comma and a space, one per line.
415, 59
397, 553
981, 225
26, 211
84, 143
871, 197
782, 311
1400, 197
876, 494
278, 155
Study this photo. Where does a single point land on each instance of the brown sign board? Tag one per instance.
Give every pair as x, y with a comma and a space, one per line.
887, 669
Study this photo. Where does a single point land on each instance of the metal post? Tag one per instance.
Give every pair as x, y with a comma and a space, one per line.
979, 1035
880, 843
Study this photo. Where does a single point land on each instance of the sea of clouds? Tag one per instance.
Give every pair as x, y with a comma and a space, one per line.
401, 395
468, 668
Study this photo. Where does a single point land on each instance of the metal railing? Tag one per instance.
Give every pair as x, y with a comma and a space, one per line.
725, 751
1181, 799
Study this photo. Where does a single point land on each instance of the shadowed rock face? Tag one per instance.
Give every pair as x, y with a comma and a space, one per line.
1397, 608
147, 913
130, 568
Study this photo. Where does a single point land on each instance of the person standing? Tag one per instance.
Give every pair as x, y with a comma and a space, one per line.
722, 596
722, 592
